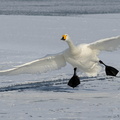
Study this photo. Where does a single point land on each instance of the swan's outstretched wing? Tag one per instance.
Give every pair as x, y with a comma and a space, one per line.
38, 66
108, 44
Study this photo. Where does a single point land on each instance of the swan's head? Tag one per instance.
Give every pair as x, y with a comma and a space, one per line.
65, 37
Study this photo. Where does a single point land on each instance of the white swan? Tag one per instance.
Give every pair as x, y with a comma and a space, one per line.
83, 56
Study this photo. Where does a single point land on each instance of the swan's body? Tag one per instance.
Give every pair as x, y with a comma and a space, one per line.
83, 56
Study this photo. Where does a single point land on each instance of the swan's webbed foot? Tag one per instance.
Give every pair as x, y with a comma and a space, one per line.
111, 71
75, 80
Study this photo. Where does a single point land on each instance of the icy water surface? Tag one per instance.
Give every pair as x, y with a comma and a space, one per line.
58, 7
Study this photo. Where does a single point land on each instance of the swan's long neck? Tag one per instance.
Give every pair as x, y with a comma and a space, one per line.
71, 45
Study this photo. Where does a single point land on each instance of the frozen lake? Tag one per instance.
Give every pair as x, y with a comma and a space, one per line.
58, 7
47, 96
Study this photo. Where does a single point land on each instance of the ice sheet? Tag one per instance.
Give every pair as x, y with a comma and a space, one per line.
47, 96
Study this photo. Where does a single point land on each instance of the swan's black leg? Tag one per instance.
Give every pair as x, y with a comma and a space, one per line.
111, 71
75, 80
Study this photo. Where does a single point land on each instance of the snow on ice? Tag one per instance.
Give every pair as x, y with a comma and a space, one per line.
47, 96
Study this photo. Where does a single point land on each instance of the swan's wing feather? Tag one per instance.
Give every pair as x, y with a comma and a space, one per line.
38, 66
108, 44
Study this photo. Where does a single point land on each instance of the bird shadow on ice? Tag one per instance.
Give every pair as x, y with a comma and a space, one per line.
59, 85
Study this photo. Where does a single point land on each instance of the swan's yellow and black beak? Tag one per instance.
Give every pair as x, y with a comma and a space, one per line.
64, 37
